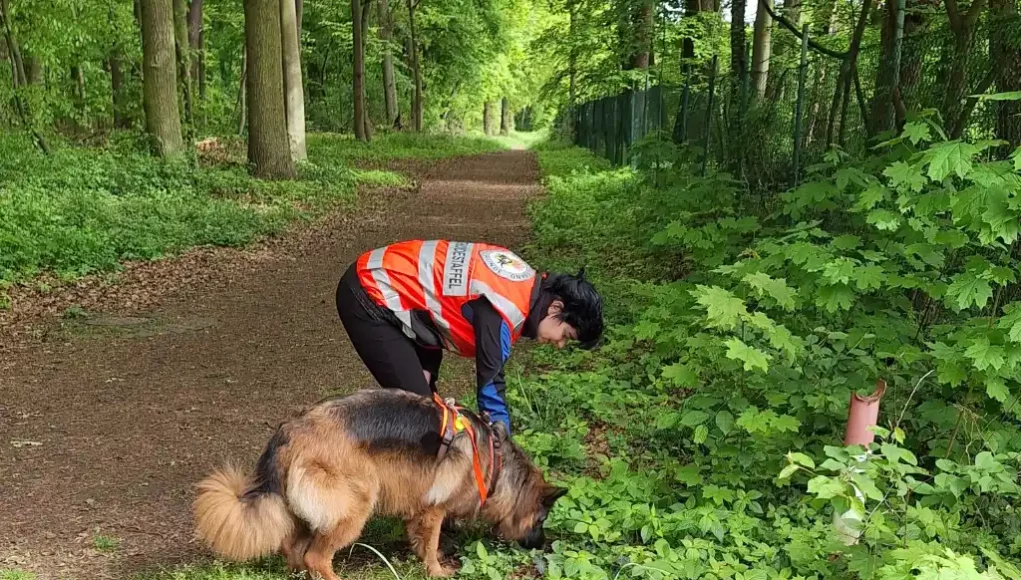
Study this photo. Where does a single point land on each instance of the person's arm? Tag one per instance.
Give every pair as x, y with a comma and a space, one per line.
492, 348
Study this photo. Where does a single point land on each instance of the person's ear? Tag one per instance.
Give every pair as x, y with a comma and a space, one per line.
555, 307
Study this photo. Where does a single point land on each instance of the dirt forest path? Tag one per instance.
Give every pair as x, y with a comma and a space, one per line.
104, 431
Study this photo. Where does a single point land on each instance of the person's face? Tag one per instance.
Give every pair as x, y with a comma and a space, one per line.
554, 331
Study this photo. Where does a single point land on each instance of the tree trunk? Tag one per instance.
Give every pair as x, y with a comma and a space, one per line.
641, 24
418, 104
367, 117
294, 101
738, 58
268, 149
196, 40
299, 13
882, 116
184, 67
242, 93
848, 69
78, 78
505, 117
762, 44
1005, 55
389, 81
120, 119
162, 116
963, 27
33, 70
19, 78
487, 112
359, 71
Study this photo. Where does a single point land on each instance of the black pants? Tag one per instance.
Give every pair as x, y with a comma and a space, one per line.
395, 361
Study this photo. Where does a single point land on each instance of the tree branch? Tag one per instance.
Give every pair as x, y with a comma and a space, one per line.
953, 14
973, 13
982, 87
811, 43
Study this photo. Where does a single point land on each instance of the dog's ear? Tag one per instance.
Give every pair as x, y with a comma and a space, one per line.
552, 494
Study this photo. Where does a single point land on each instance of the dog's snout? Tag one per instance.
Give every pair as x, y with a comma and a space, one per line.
535, 539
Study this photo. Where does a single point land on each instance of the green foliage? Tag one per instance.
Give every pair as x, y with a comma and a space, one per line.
83, 210
712, 419
394, 146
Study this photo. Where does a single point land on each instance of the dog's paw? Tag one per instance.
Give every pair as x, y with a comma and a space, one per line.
441, 571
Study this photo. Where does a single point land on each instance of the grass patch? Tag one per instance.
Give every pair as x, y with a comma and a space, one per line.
395, 146
381, 178
105, 543
16, 575
523, 140
88, 209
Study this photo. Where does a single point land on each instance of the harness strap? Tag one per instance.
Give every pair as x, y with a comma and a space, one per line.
451, 421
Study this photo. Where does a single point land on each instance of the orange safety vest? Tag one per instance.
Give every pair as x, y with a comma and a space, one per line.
440, 276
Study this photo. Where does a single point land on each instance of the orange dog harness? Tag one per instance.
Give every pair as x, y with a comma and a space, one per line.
453, 422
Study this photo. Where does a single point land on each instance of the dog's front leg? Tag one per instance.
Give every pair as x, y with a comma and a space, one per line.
424, 533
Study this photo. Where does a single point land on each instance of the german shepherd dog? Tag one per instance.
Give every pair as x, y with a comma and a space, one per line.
323, 474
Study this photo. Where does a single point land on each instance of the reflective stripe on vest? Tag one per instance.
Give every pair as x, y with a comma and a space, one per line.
439, 277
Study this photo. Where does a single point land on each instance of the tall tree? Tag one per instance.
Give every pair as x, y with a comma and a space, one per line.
1005, 56
418, 101
358, 86
389, 81
505, 116
20, 79
268, 149
294, 100
162, 117
183, 50
762, 45
882, 114
963, 25
366, 117
640, 40
196, 39
738, 56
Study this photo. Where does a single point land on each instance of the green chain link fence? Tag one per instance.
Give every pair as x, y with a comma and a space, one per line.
755, 137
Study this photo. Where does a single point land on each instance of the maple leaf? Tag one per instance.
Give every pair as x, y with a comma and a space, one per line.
1011, 321
840, 270
949, 369
835, 297
997, 389
724, 310
775, 288
929, 253
884, 219
750, 356
916, 132
969, 288
870, 276
871, 196
846, 242
950, 157
904, 176
681, 375
985, 355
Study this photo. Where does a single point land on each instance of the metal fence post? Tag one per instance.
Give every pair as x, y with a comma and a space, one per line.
802, 74
709, 114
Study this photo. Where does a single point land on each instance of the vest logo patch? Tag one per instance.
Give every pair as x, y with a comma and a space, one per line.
507, 265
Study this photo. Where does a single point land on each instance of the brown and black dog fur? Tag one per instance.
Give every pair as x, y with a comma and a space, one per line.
325, 473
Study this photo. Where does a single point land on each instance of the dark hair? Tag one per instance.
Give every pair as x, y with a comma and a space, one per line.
583, 307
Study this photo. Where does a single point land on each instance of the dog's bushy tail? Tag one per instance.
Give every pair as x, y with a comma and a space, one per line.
239, 524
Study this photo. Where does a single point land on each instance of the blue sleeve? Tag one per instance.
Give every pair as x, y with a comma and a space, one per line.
492, 349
